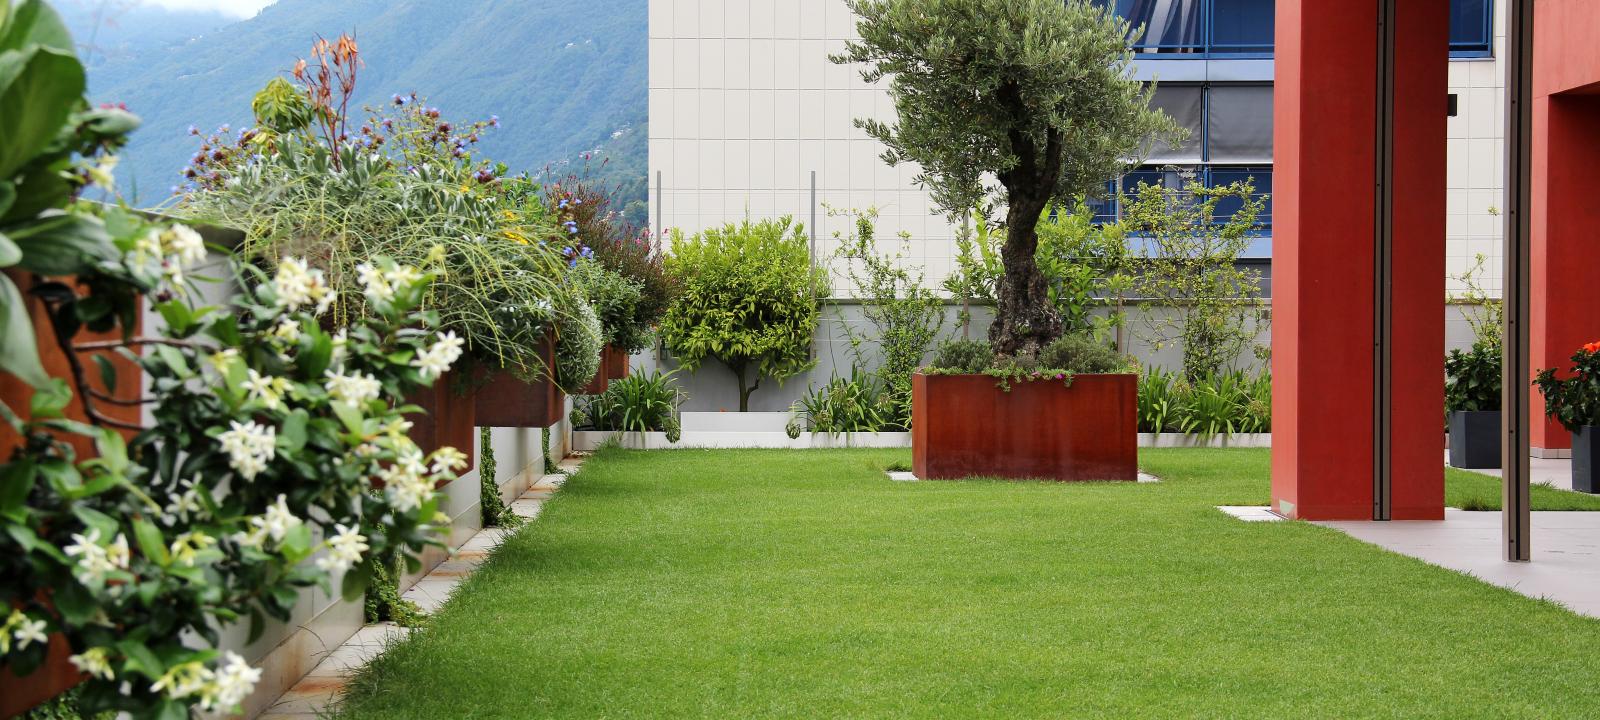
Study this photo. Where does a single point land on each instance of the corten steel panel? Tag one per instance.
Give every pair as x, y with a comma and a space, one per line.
965, 426
1564, 310
447, 419
16, 393
1325, 119
602, 379
503, 400
55, 676
616, 363
1421, 101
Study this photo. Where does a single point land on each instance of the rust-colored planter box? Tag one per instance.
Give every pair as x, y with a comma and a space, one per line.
615, 363
504, 400
54, 676
448, 419
966, 426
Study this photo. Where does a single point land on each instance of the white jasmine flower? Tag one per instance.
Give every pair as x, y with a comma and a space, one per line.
250, 446
287, 330
448, 460
147, 247
292, 284
232, 682
438, 358
184, 505
354, 388
94, 662
374, 282
30, 631
187, 545
278, 521
256, 537
101, 173
341, 348
117, 552
407, 491
93, 563
186, 245
219, 361
344, 550
411, 461
403, 276
269, 391
183, 680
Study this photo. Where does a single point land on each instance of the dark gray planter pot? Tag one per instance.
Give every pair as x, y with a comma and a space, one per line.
1475, 439
1586, 459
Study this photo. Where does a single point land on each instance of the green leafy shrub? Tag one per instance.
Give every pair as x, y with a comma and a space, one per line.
636, 403
750, 300
580, 337
859, 403
1574, 401
967, 357
1472, 379
906, 315
583, 207
1082, 354
1160, 401
614, 298
1224, 404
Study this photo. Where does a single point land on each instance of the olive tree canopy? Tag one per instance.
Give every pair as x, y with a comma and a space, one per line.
1014, 103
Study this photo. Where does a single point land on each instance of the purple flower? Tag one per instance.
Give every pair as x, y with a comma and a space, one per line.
1060, 376
399, 99
195, 131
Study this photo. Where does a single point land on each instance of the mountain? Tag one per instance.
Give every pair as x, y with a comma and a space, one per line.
565, 80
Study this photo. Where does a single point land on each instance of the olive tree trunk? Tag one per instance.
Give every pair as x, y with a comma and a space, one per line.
1025, 319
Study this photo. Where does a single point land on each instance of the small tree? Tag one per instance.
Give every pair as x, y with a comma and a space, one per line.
1036, 94
750, 298
1190, 265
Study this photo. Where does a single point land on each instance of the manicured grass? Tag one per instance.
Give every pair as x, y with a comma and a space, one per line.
804, 584
1475, 491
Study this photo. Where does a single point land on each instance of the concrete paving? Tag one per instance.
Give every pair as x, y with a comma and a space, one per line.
317, 695
1566, 552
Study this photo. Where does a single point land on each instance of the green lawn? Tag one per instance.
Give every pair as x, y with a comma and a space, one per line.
1475, 491
805, 584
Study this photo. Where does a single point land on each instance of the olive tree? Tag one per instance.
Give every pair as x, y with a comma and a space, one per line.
1018, 103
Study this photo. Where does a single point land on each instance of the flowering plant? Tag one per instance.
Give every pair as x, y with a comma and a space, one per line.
278, 459
1574, 401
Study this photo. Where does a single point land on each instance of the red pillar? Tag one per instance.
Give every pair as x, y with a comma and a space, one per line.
1565, 309
1324, 261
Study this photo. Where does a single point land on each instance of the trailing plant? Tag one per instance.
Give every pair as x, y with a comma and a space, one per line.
906, 315
1574, 401
859, 403
580, 337
495, 511
1193, 290
278, 459
1472, 379
751, 300
1008, 103
383, 602
636, 403
313, 179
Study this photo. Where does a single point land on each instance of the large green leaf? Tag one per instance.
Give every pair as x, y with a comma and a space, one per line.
36, 103
19, 352
10, 254
33, 22
63, 244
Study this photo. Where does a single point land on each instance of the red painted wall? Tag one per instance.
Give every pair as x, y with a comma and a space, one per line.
1565, 311
1323, 264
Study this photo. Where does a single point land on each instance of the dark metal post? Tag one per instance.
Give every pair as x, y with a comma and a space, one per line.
1515, 369
813, 217
661, 201
1383, 268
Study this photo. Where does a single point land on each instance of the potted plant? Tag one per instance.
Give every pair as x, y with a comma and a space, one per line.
1472, 400
1034, 103
1070, 413
1574, 402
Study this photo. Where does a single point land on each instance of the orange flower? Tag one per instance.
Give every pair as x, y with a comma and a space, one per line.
1593, 347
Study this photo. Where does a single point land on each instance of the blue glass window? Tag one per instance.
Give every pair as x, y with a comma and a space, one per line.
1259, 177
1471, 28
1242, 27
1199, 27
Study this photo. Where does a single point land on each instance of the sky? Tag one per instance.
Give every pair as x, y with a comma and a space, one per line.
232, 8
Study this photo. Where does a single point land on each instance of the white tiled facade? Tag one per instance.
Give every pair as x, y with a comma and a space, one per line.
1475, 174
744, 107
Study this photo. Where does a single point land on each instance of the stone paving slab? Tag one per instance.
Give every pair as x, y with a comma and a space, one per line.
317, 693
1252, 513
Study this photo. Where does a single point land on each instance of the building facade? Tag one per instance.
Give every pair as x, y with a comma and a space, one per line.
748, 118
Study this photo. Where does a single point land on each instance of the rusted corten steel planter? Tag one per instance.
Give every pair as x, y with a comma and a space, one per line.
615, 363
504, 400
448, 419
55, 676
966, 426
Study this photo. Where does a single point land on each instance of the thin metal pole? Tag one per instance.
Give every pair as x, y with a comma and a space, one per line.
813, 225
1515, 387
661, 201
1383, 269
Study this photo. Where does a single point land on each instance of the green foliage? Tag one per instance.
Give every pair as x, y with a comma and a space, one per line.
1484, 313
1191, 287
750, 300
637, 403
966, 357
1082, 354
906, 315
281, 108
1574, 400
1472, 379
615, 300
580, 338
594, 230
859, 403
1224, 404
383, 602
494, 510
277, 457
1038, 95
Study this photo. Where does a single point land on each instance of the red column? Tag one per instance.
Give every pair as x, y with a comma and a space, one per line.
1565, 312
1324, 263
